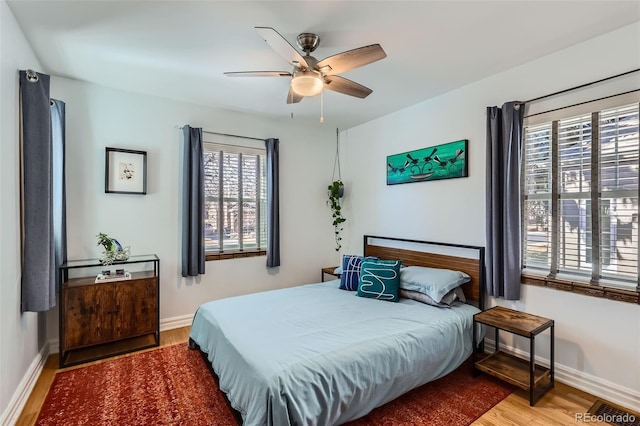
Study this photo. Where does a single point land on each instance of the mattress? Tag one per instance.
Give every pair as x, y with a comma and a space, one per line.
318, 355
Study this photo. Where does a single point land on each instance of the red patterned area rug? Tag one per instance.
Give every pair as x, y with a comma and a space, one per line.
457, 399
167, 386
174, 386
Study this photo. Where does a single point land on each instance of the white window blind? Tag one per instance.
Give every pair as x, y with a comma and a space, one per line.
537, 196
235, 198
580, 195
619, 192
574, 149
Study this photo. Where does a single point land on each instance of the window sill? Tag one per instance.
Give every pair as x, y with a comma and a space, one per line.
234, 254
611, 293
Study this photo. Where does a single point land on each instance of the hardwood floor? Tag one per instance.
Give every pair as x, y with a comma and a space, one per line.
558, 407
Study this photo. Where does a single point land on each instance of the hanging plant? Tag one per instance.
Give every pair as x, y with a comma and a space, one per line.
336, 192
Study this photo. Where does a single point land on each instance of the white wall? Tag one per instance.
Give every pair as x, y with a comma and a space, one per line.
596, 339
98, 117
21, 335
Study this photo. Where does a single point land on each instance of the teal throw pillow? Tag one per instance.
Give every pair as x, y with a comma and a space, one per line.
380, 279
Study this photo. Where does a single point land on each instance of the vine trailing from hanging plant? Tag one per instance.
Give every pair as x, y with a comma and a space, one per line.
336, 192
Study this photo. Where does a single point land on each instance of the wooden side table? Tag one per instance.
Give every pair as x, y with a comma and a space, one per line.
328, 271
523, 373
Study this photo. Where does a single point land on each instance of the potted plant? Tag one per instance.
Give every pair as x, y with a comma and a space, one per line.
336, 192
105, 241
113, 250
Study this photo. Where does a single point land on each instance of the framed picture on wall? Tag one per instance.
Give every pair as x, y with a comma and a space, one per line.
444, 161
125, 171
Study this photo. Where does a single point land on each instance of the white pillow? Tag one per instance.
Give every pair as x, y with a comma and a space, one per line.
447, 300
434, 282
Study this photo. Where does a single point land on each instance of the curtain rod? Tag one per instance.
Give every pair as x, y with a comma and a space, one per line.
227, 134
582, 103
580, 86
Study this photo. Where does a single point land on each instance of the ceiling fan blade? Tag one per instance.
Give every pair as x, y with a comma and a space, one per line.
346, 86
352, 59
281, 46
258, 74
293, 97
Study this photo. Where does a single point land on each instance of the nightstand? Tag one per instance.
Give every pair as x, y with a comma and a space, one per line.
523, 373
328, 271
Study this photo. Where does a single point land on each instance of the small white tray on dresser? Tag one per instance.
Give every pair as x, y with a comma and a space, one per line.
110, 278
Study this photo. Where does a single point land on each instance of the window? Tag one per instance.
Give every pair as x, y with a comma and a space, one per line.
235, 201
580, 196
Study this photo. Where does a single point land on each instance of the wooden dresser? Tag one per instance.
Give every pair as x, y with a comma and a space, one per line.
99, 320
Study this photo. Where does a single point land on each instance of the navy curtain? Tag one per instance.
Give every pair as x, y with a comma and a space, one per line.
193, 203
58, 132
273, 202
43, 192
504, 150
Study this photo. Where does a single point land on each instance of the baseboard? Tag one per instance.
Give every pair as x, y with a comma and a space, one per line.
586, 382
21, 395
176, 322
54, 346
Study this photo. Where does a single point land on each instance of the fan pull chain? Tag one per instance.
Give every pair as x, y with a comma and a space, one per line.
291, 103
322, 106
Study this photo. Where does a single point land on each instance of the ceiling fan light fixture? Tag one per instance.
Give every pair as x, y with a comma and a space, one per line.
307, 83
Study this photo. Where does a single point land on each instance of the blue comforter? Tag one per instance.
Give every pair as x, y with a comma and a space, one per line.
318, 355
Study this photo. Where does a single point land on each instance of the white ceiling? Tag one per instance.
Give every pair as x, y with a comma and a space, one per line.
179, 49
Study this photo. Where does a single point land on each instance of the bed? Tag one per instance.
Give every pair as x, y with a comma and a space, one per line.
315, 354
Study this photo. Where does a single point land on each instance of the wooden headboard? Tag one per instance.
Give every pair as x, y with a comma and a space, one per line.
424, 253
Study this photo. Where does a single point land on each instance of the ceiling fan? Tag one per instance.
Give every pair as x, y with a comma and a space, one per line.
310, 76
